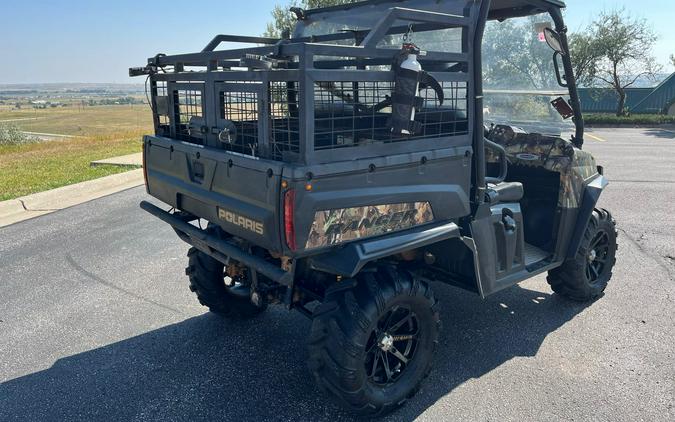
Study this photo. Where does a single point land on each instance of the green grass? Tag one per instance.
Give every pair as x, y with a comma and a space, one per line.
634, 119
30, 168
81, 121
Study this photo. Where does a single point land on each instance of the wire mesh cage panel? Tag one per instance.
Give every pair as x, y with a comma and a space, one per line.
264, 118
161, 95
242, 110
284, 136
447, 119
354, 113
188, 113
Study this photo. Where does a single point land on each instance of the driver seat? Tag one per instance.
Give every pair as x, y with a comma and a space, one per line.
505, 192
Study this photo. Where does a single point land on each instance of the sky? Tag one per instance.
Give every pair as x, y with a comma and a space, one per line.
89, 41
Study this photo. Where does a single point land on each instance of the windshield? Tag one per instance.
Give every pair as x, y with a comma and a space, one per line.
519, 76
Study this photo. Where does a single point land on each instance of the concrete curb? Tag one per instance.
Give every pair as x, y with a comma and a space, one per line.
131, 160
12, 211
35, 205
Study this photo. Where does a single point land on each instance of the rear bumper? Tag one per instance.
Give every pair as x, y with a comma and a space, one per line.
217, 248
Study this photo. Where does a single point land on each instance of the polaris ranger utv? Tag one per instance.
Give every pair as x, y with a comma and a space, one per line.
382, 146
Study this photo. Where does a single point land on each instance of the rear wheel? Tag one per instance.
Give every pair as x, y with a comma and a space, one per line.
207, 281
585, 276
373, 340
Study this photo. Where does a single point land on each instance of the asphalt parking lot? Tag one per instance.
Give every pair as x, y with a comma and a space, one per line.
97, 323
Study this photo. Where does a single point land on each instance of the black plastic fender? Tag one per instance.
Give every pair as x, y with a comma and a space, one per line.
347, 261
591, 196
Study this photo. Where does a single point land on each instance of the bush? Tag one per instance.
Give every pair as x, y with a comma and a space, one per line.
633, 119
11, 135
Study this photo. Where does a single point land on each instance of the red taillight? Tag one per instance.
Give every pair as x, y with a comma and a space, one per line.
289, 227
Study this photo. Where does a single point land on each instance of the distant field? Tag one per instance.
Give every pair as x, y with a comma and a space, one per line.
76, 120
26, 169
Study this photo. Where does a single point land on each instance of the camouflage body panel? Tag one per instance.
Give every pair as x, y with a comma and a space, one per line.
554, 154
332, 227
574, 172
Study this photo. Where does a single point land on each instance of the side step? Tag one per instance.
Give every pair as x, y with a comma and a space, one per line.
533, 254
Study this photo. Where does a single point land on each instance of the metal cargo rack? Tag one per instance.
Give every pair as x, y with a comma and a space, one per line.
306, 100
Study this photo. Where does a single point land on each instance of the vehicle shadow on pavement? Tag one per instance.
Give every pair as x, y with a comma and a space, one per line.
208, 368
661, 133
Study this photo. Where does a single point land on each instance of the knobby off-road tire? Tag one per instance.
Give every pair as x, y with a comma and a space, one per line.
585, 277
207, 281
360, 318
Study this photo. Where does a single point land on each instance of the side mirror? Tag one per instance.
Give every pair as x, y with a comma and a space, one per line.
561, 78
553, 40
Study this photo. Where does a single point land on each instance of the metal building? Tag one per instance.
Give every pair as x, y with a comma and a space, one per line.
656, 100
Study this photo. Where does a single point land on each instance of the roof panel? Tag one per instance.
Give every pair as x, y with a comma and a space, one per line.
496, 6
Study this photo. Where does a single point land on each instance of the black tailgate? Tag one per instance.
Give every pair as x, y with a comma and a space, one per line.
239, 193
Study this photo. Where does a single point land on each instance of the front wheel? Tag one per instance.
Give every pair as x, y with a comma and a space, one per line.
373, 340
585, 277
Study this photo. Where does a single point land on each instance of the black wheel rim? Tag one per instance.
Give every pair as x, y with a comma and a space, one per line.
598, 256
392, 346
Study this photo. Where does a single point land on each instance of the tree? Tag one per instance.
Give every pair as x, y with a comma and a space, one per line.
12, 135
585, 54
672, 59
614, 51
514, 57
283, 20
